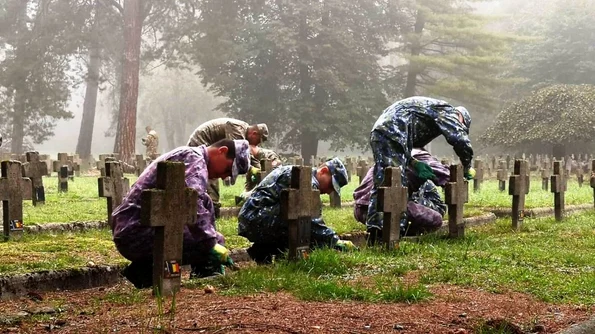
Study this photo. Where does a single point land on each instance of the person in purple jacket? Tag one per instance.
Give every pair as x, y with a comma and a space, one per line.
425, 207
203, 246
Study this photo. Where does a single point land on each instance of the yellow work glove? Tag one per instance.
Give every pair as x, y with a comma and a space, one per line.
345, 245
220, 254
470, 174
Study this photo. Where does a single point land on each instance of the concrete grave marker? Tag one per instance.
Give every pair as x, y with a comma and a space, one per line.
545, 176
299, 204
478, 179
579, 174
362, 170
558, 188
297, 161
140, 164
74, 169
456, 195
35, 169
518, 187
113, 186
13, 190
392, 202
101, 161
502, 175
593, 179
168, 208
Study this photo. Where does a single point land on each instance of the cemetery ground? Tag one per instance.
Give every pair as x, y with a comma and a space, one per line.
495, 280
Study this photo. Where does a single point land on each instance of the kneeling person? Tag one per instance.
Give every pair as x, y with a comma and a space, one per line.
259, 219
425, 207
203, 245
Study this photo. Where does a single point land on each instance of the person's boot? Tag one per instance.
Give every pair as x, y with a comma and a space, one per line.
140, 274
374, 236
206, 269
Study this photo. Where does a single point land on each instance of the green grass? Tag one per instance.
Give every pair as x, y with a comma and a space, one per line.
550, 260
39, 252
490, 196
82, 203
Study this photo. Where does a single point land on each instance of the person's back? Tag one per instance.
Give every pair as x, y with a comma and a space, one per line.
217, 129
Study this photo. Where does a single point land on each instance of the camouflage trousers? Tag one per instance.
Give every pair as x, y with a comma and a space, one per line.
388, 151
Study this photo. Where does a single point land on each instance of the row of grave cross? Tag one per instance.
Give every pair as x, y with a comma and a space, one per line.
173, 202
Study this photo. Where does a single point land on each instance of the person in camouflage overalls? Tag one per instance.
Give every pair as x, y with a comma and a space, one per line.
203, 246
414, 122
151, 141
259, 219
425, 207
226, 128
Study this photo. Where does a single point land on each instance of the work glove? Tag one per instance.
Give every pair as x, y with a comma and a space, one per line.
253, 172
345, 246
423, 170
220, 254
470, 174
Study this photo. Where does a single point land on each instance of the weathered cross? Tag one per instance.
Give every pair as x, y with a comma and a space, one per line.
593, 179
362, 170
299, 204
502, 175
545, 176
74, 169
518, 187
168, 208
297, 161
102, 157
558, 188
13, 190
140, 164
35, 169
113, 186
478, 179
58, 167
456, 195
392, 202
579, 173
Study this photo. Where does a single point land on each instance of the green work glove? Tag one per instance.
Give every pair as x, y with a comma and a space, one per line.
220, 254
253, 172
345, 245
423, 170
470, 174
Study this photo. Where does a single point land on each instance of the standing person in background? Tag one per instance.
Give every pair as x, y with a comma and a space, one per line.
226, 128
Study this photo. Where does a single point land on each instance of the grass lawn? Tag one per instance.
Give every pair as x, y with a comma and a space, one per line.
82, 203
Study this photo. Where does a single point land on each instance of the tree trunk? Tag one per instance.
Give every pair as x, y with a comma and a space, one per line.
126, 131
18, 122
83, 146
414, 70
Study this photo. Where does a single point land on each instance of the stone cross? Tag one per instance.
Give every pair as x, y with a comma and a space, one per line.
593, 179
478, 179
297, 161
545, 177
13, 190
140, 164
168, 208
101, 161
350, 165
74, 169
62, 161
299, 204
518, 187
335, 200
579, 173
35, 169
362, 170
392, 202
502, 175
456, 195
558, 188
507, 162
113, 186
